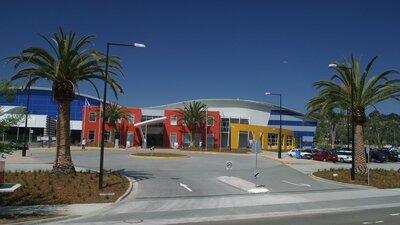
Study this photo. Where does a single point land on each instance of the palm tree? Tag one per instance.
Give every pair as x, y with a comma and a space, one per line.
366, 94
69, 62
114, 113
193, 115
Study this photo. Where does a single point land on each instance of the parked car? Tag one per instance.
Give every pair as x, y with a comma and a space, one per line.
325, 156
306, 153
377, 156
292, 152
344, 156
391, 155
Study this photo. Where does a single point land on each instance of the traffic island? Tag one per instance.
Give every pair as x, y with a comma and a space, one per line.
158, 155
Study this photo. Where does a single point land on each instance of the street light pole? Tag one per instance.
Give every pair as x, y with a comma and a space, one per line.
136, 45
26, 120
280, 123
334, 65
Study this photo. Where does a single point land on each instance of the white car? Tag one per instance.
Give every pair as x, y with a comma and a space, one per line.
304, 153
292, 152
344, 156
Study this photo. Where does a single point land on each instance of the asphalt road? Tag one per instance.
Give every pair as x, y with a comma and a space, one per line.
385, 216
197, 175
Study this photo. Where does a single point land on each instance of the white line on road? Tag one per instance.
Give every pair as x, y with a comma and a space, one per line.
379, 221
367, 223
395, 214
301, 185
185, 186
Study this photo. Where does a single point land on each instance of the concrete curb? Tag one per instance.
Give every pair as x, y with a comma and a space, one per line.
159, 157
216, 153
277, 160
127, 192
312, 176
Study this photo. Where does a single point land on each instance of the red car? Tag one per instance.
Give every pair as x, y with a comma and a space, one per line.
325, 156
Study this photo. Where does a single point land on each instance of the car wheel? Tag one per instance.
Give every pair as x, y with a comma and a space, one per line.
324, 160
342, 160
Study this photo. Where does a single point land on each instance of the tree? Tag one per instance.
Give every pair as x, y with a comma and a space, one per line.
69, 62
193, 115
366, 94
7, 92
114, 113
329, 123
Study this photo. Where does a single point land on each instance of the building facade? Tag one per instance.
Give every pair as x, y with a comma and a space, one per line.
232, 123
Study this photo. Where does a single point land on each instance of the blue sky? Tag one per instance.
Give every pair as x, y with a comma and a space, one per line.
216, 49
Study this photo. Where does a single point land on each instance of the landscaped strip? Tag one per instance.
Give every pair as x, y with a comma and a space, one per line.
158, 155
44, 188
379, 178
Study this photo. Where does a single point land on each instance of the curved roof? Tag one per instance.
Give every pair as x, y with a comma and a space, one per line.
77, 92
241, 103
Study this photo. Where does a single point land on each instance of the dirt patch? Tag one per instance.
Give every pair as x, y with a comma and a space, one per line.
44, 188
379, 178
7, 219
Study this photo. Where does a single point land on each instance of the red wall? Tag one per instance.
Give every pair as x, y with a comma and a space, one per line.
123, 127
179, 128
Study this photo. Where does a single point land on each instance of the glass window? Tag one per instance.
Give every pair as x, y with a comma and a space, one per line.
272, 139
210, 121
225, 125
91, 135
131, 118
92, 117
185, 139
289, 140
174, 120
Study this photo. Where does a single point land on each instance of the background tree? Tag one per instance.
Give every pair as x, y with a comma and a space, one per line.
69, 62
329, 124
366, 94
114, 113
193, 115
381, 129
6, 121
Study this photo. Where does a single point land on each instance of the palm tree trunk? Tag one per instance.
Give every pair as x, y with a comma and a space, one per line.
360, 162
112, 134
63, 163
192, 137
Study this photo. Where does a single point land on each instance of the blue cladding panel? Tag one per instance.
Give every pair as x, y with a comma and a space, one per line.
303, 133
307, 144
41, 103
284, 112
293, 123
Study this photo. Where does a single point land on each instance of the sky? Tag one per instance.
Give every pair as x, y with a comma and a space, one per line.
198, 49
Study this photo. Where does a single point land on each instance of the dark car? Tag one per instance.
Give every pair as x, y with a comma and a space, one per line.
391, 156
325, 156
377, 156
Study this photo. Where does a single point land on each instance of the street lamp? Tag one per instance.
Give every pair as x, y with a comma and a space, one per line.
26, 120
135, 45
280, 123
334, 65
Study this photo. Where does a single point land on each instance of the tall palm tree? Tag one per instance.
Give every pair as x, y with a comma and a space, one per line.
366, 94
114, 113
193, 115
68, 62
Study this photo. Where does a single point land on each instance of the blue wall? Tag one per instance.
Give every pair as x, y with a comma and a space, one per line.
41, 103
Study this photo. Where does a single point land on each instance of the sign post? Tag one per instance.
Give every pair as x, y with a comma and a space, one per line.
229, 166
256, 148
367, 150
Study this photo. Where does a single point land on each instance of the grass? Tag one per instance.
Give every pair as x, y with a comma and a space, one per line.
159, 155
44, 188
379, 178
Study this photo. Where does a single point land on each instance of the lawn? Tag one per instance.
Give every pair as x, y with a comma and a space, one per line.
159, 155
44, 188
379, 178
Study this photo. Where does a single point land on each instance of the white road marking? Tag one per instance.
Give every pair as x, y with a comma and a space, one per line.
395, 214
185, 186
301, 185
379, 221
367, 223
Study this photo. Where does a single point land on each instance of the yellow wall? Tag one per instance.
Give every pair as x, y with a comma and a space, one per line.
257, 132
